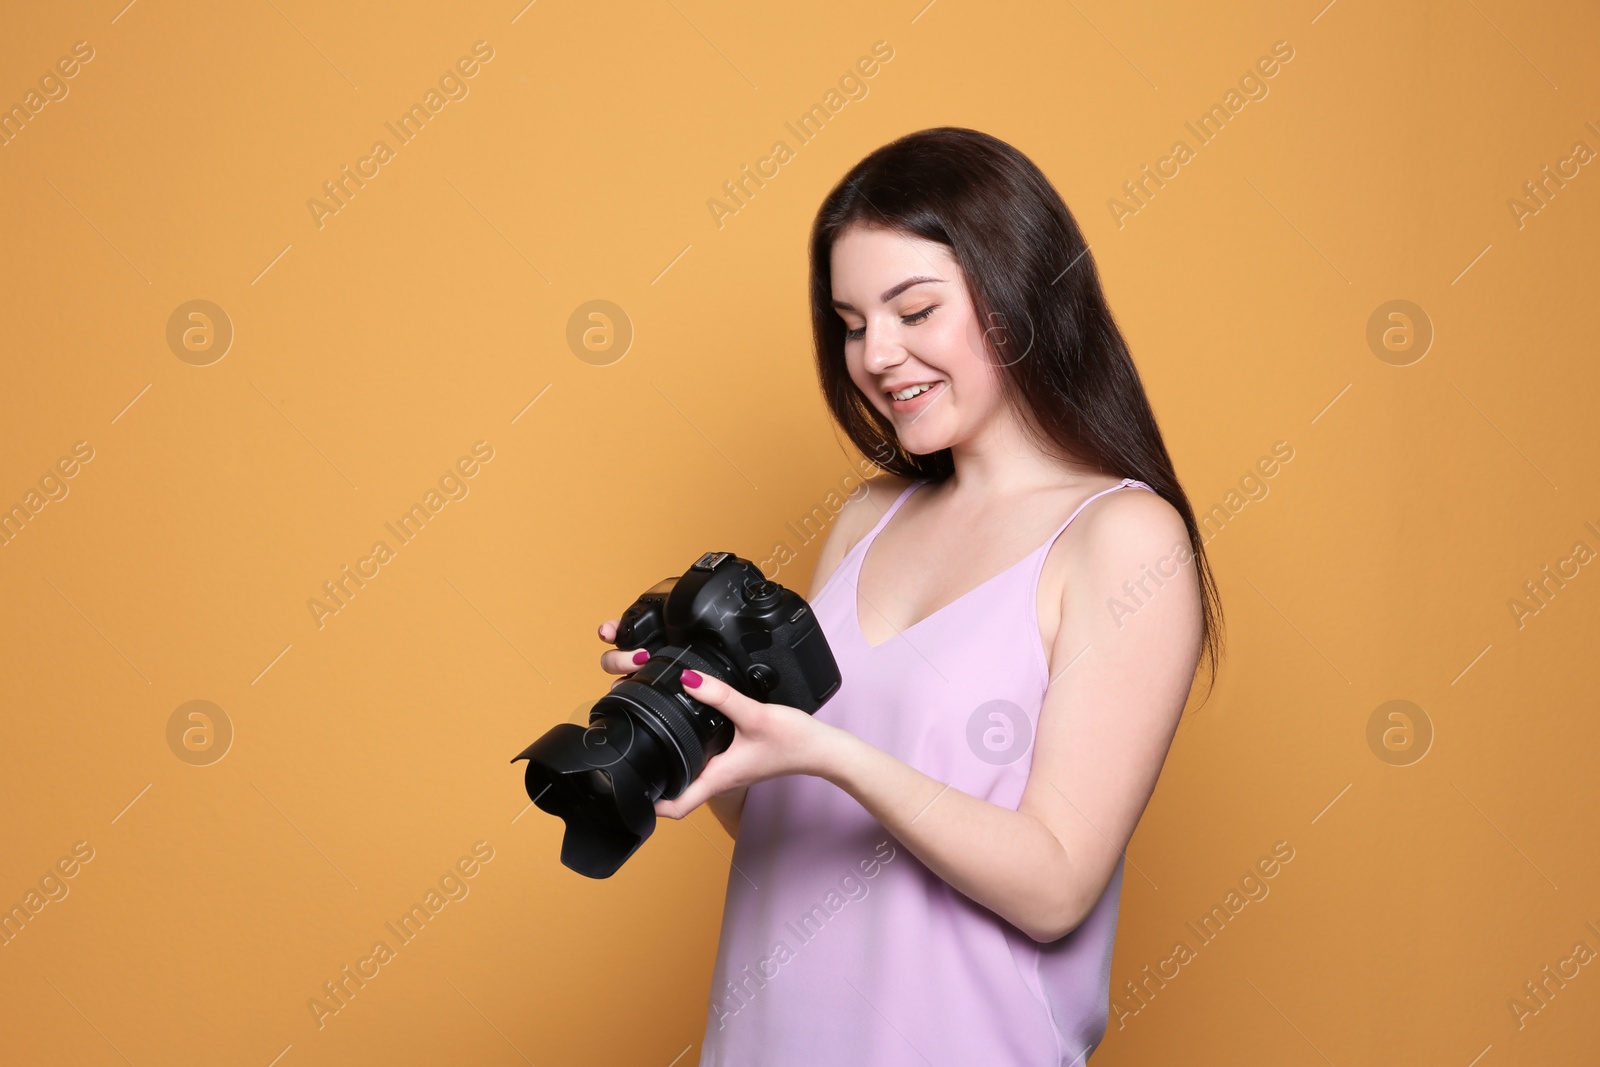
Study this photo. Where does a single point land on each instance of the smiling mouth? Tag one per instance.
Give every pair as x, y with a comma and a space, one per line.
921, 395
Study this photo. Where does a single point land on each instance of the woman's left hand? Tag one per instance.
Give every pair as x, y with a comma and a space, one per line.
769, 740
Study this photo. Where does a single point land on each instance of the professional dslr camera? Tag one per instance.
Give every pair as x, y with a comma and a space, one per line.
647, 738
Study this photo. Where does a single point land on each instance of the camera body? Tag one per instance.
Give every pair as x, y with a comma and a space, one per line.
647, 738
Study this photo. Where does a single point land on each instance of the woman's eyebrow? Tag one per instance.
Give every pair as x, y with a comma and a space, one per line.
893, 291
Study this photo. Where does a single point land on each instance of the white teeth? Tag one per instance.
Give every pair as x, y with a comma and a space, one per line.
911, 391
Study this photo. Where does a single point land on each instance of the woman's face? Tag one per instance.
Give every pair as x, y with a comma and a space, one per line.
901, 335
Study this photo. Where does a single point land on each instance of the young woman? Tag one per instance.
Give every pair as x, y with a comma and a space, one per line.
927, 871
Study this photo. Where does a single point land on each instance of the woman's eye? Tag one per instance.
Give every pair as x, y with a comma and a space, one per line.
909, 320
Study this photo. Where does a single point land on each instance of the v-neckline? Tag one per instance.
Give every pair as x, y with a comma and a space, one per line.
935, 613
861, 562
866, 543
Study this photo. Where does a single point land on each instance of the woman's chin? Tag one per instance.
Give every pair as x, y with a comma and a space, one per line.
923, 444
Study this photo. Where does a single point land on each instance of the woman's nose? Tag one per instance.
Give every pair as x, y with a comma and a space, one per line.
882, 351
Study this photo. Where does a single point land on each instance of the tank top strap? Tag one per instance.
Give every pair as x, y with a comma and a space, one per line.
860, 546
850, 566
1044, 550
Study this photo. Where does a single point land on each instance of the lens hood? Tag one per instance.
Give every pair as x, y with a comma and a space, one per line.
607, 818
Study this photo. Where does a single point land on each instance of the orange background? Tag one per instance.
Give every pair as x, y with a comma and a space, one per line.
369, 755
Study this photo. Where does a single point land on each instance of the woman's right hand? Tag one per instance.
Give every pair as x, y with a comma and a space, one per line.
728, 806
623, 661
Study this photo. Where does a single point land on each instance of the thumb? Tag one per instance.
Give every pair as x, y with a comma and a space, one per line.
691, 798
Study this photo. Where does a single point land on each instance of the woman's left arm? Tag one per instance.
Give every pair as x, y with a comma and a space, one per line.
1124, 658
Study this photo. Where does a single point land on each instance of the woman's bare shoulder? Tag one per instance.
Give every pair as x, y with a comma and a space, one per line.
861, 511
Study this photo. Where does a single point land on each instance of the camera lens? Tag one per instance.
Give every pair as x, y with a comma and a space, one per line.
646, 739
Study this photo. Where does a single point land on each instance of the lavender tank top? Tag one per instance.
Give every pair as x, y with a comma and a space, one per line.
838, 945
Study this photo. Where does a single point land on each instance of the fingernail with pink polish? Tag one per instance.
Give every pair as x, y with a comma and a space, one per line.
691, 679
641, 656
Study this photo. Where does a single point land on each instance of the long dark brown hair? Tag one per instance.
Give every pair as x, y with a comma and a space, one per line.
1065, 368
